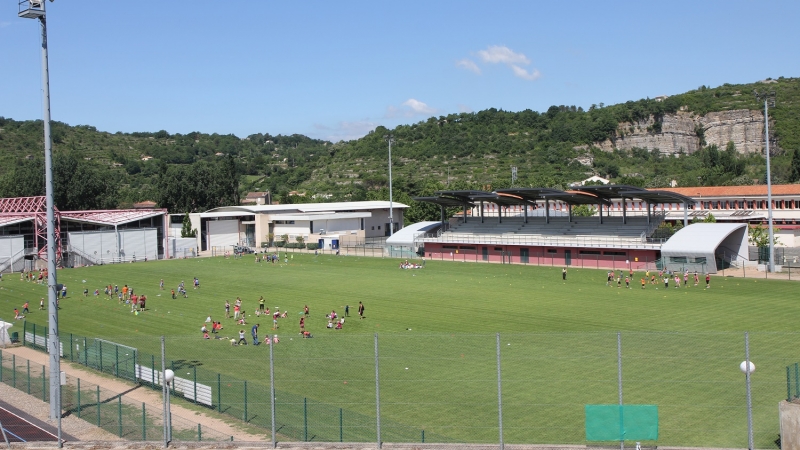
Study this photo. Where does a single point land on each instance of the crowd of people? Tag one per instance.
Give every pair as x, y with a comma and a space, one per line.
666, 277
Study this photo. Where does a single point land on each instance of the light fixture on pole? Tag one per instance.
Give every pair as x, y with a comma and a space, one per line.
769, 100
34, 9
390, 139
169, 375
748, 368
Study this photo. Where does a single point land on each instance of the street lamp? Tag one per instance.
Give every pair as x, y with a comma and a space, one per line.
169, 375
769, 99
34, 9
390, 139
748, 367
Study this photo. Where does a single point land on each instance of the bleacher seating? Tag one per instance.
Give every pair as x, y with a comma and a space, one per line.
579, 230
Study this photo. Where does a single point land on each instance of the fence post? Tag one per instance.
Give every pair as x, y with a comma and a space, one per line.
305, 419
341, 426
788, 385
100, 353
219, 393
499, 394
619, 383
144, 423
119, 414
377, 394
24, 333
195, 384
28, 364
85, 353
44, 386
796, 379
272, 392
153, 370
71, 357
245, 401
116, 361
98, 406
79, 398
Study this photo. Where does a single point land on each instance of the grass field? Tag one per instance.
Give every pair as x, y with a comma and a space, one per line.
437, 343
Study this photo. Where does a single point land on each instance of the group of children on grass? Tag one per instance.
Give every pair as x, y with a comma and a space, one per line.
663, 276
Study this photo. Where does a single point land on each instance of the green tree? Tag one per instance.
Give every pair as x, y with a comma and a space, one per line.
186, 229
794, 175
584, 211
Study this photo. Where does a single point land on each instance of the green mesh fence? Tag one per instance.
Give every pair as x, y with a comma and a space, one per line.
113, 412
442, 387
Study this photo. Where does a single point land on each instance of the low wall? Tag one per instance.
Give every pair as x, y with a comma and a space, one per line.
790, 425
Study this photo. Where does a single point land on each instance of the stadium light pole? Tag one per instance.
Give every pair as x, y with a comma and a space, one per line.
34, 9
768, 98
390, 139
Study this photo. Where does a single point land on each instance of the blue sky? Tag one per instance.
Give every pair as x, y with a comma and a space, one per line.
336, 69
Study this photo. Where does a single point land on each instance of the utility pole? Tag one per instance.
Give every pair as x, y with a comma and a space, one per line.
769, 99
31, 9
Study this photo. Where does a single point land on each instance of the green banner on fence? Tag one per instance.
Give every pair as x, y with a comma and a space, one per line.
621, 422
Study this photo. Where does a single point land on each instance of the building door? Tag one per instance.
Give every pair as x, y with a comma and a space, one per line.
524, 256
485, 253
568, 257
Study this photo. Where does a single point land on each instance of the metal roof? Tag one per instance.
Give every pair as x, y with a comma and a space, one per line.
111, 216
657, 196
302, 207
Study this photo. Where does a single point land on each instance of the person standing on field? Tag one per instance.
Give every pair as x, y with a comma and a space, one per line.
360, 310
564, 274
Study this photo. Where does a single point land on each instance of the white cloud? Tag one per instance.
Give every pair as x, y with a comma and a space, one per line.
410, 108
469, 65
464, 108
419, 107
524, 74
500, 54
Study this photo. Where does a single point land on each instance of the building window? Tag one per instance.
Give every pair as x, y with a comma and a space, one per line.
379, 227
677, 259
751, 204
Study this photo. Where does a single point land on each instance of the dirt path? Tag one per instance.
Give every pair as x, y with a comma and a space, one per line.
149, 397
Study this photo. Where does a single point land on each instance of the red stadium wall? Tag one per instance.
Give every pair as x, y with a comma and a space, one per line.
601, 258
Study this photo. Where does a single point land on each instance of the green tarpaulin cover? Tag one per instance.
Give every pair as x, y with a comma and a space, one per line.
621, 423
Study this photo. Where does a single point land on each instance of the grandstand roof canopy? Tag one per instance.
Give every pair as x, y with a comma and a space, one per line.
657, 196
530, 194
585, 195
612, 191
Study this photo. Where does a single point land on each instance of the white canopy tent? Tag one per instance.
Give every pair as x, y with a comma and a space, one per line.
698, 246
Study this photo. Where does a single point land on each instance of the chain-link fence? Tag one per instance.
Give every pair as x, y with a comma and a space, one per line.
111, 411
528, 388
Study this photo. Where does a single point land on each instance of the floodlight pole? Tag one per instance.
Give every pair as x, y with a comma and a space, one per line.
768, 97
38, 11
390, 139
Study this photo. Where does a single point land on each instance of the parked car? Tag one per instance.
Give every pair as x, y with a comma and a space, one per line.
241, 249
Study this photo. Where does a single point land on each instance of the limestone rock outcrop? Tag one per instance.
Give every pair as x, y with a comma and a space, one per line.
681, 132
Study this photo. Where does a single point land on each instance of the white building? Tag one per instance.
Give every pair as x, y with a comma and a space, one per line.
330, 225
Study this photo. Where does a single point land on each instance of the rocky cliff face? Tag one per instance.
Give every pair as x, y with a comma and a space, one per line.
679, 132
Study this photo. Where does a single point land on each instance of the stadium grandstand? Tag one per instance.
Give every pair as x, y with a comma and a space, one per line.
82, 237
538, 225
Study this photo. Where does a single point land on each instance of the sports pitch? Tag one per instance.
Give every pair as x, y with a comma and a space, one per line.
437, 343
